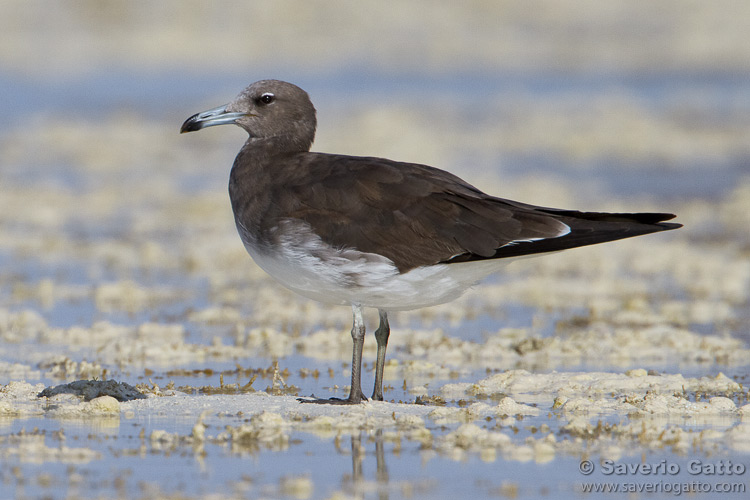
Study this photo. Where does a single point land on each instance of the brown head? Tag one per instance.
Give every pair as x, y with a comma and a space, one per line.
266, 110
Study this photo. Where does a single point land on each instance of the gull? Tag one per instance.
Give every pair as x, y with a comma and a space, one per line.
377, 233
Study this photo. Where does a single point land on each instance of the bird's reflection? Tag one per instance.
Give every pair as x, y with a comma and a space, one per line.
359, 484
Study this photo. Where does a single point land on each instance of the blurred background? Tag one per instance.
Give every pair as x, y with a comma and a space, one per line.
631, 97
624, 105
631, 106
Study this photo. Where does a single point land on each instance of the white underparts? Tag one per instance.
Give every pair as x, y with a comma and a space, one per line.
302, 262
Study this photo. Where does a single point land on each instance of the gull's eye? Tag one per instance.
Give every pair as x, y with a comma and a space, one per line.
266, 98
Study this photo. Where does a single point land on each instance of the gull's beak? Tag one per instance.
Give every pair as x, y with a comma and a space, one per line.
216, 116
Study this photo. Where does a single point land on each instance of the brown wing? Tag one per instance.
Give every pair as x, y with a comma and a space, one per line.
418, 215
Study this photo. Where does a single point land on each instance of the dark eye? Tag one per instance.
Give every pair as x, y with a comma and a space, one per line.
267, 98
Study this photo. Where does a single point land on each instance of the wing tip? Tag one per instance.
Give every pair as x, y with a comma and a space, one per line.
668, 226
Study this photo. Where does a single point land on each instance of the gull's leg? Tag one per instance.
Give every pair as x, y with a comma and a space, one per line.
358, 338
381, 335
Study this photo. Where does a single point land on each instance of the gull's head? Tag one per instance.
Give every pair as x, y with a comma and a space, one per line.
266, 109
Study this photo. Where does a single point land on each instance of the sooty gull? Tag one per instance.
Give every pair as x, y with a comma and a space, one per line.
371, 232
